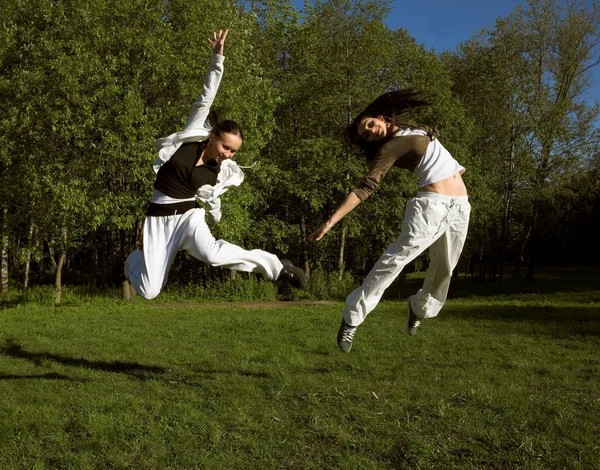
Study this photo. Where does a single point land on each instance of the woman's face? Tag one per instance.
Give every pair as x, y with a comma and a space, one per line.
222, 147
372, 128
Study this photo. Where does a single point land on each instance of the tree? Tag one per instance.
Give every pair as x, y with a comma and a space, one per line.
525, 82
322, 75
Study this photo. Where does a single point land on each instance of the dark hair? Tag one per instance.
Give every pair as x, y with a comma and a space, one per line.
218, 127
393, 106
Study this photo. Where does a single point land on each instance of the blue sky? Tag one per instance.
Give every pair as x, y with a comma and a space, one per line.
443, 24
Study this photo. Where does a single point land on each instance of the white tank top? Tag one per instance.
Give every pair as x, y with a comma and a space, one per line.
437, 164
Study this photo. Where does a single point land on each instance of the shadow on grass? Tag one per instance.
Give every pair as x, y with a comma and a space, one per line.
134, 369
50, 376
546, 280
12, 303
559, 322
241, 373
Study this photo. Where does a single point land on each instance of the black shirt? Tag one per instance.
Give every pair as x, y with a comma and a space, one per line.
180, 178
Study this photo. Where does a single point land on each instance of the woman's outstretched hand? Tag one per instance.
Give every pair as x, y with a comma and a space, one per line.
351, 201
218, 41
318, 234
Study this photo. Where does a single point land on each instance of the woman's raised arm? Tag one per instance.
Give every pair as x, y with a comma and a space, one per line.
201, 107
351, 201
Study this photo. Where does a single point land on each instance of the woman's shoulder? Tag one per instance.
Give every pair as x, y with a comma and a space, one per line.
405, 143
405, 132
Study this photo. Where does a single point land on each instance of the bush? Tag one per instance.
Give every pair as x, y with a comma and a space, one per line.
326, 286
45, 295
250, 289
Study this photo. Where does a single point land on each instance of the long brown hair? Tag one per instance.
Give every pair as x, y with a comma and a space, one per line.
393, 106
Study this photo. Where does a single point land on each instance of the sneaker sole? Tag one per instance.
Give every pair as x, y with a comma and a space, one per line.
408, 321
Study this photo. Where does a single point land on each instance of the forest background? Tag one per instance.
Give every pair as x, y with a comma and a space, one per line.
87, 86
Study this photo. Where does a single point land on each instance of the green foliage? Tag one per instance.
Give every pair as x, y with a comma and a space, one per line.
524, 82
88, 86
243, 288
327, 286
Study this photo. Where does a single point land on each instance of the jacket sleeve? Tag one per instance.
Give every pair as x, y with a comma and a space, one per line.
202, 105
384, 160
213, 209
402, 151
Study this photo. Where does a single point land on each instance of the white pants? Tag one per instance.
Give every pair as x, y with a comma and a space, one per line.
165, 236
433, 221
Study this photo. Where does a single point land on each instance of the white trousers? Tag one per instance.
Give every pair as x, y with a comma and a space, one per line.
165, 236
433, 221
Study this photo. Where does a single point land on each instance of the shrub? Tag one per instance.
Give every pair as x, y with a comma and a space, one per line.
326, 286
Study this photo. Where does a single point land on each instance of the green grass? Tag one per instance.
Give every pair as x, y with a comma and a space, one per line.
496, 381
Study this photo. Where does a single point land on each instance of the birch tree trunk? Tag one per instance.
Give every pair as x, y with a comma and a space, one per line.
303, 236
341, 264
509, 188
4, 252
58, 277
28, 255
59, 266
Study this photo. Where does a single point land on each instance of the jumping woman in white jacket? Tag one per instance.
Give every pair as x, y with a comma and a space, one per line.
196, 164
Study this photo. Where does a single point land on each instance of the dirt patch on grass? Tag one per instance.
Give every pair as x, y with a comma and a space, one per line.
273, 304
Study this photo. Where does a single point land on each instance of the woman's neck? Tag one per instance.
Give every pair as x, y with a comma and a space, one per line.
392, 130
203, 158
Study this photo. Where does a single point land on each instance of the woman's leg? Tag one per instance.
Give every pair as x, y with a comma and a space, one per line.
148, 271
195, 237
424, 222
444, 256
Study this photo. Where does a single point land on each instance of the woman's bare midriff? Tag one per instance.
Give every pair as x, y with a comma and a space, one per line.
451, 186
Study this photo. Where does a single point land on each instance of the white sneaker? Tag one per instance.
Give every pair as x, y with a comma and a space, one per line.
412, 321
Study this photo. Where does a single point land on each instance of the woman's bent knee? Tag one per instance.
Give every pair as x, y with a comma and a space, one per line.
149, 294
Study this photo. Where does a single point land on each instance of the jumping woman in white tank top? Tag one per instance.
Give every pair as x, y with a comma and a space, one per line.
437, 218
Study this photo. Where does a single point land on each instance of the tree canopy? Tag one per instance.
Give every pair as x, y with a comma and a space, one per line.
87, 86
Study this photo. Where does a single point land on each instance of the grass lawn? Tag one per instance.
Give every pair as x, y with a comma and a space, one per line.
496, 381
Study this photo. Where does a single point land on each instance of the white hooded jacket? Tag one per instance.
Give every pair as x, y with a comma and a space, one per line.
197, 130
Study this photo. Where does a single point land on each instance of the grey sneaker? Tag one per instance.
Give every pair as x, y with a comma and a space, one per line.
292, 275
412, 321
345, 336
